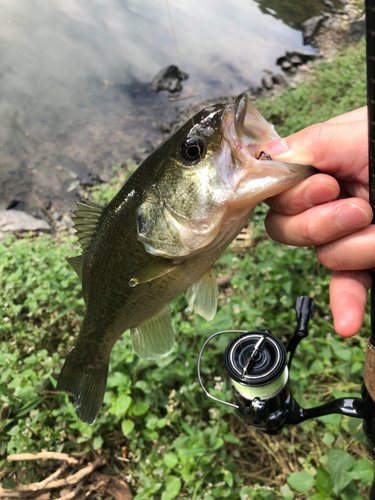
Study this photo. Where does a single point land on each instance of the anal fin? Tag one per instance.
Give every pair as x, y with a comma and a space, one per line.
153, 339
203, 295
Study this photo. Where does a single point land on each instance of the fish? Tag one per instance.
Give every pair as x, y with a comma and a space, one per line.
161, 235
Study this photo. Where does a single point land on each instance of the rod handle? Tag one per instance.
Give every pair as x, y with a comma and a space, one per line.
369, 376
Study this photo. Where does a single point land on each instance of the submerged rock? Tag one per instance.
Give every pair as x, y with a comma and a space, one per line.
310, 27
267, 82
279, 79
169, 78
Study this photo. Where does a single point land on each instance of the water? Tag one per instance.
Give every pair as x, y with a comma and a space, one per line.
74, 79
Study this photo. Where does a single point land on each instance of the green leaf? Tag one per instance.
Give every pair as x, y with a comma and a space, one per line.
328, 438
97, 442
363, 470
229, 479
286, 493
339, 464
334, 419
140, 409
344, 354
323, 481
141, 384
356, 367
231, 438
121, 405
161, 423
300, 481
127, 427
172, 488
319, 496
170, 459
218, 443
350, 493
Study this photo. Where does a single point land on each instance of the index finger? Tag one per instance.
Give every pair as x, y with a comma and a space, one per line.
352, 116
315, 190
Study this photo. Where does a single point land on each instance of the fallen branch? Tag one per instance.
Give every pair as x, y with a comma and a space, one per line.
59, 483
43, 455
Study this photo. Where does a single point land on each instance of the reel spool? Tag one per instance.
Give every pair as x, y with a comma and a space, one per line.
256, 363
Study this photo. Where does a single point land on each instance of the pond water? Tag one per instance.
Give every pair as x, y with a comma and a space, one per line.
74, 78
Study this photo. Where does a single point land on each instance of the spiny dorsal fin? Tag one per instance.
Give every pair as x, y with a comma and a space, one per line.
85, 221
76, 263
154, 269
153, 339
203, 295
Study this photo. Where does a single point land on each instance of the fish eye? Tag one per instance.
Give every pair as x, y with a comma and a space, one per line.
193, 150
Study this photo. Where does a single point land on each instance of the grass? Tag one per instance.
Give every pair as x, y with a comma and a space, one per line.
157, 430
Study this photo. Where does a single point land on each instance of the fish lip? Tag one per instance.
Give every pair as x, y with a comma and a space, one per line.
233, 129
240, 108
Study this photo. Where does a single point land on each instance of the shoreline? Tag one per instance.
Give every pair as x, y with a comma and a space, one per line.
326, 33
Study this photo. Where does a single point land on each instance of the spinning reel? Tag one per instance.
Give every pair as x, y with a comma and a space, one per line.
258, 365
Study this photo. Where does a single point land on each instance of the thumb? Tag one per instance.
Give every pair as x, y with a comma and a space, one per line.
339, 149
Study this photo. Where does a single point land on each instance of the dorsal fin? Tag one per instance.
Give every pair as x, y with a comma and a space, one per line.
76, 263
85, 221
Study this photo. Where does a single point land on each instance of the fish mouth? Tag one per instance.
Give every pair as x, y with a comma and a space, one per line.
253, 179
245, 130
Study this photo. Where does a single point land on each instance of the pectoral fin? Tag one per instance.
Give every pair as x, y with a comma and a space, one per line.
203, 295
153, 339
154, 269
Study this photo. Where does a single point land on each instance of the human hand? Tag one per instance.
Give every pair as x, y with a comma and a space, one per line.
330, 213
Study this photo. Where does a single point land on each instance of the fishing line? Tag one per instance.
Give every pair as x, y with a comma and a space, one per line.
178, 53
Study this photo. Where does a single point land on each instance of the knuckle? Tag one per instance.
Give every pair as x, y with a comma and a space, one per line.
329, 258
308, 230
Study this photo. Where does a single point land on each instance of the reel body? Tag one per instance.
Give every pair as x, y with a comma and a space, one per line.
258, 365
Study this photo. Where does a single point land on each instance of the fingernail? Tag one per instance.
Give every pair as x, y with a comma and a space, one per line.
350, 217
276, 147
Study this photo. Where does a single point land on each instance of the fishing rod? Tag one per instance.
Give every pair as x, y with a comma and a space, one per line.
258, 363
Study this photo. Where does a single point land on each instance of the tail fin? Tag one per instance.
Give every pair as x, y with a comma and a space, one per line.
86, 383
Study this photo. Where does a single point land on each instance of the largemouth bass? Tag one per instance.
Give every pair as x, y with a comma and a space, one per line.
161, 235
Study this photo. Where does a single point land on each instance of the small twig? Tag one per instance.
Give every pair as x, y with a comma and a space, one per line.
9, 493
224, 280
71, 494
43, 455
43, 484
180, 98
122, 459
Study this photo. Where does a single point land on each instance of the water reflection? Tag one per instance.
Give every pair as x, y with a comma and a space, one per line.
74, 79
294, 13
